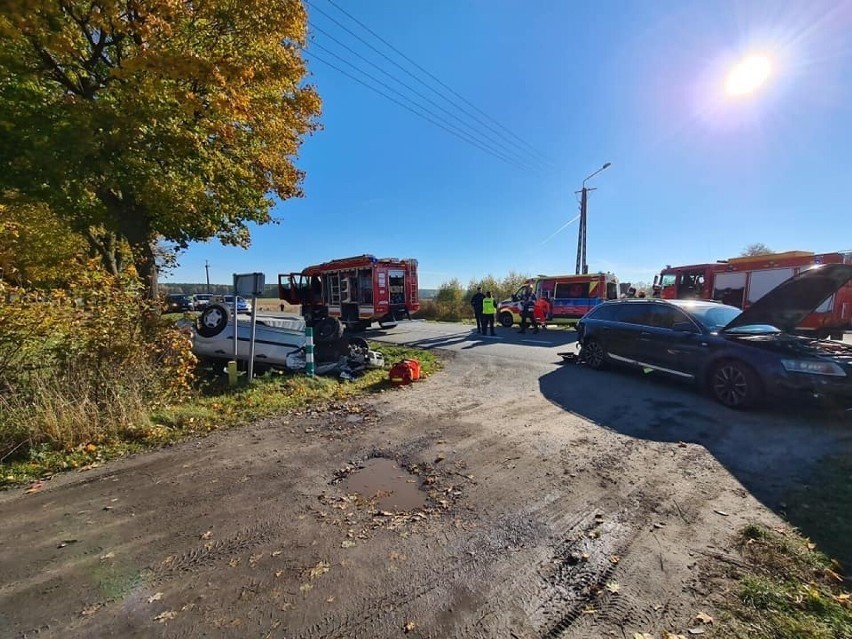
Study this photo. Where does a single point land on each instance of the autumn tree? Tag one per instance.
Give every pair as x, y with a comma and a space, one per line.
36, 247
143, 121
753, 250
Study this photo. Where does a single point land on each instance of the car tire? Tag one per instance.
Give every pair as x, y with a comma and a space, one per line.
593, 354
212, 320
359, 342
506, 320
328, 330
735, 384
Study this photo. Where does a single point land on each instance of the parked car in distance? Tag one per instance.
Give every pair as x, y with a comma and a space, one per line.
179, 303
242, 305
740, 357
202, 301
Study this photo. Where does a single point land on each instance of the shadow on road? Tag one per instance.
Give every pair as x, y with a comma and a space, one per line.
770, 451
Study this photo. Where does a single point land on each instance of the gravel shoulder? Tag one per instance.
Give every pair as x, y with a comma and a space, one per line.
561, 504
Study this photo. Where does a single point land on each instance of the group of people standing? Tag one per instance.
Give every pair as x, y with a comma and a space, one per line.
484, 310
533, 311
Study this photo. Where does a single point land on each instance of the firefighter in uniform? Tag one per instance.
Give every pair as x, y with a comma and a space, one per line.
489, 310
528, 310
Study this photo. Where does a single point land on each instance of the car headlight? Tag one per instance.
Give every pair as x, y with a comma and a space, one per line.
813, 367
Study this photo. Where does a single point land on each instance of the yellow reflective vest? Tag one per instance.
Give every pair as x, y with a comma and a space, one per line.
488, 307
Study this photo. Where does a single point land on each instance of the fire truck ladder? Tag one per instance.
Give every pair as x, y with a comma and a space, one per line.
334, 288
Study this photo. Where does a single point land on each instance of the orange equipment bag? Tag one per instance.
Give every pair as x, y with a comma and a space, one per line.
405, 372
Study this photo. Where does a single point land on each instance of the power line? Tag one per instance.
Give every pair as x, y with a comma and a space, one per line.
485, 138
448, 125
461, 136
409, 73
448, 88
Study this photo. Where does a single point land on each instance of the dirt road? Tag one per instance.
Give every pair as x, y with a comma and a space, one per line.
561, 503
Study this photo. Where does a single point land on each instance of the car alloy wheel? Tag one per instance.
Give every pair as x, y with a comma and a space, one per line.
593, 354
506, 320
734, 385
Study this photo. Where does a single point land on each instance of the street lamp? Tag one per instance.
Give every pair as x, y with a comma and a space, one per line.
582, 267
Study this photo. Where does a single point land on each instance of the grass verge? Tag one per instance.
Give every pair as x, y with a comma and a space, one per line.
822, 508
788, 590
215, 405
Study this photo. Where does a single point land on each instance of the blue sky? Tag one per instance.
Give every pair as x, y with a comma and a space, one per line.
696, 174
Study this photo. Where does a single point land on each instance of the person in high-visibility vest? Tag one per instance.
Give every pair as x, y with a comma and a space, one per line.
489, 310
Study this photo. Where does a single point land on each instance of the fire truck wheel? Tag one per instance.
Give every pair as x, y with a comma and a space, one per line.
328, 330
212, 320
506, 320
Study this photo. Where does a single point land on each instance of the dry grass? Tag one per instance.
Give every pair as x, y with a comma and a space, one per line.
790, 591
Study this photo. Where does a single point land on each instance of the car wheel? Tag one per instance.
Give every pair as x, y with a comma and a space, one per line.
593, 354
735, 385
328, 330
212, 320
506, 320
359, 342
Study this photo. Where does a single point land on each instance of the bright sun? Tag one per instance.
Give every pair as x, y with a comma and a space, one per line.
748, 76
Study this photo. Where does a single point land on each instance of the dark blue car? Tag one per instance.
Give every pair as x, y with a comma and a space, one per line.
740, 357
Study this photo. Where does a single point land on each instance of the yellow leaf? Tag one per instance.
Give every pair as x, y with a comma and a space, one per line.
703, 617
319, 570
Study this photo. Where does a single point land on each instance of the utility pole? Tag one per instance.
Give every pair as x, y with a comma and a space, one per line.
207, 269
582, 266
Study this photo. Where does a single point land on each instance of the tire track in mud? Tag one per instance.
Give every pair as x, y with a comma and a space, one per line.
511, 545
213, 552
474, 554
567, 576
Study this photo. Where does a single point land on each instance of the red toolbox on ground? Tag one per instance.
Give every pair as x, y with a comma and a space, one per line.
405, 372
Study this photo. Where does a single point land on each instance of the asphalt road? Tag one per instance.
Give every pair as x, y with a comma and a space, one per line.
508, 343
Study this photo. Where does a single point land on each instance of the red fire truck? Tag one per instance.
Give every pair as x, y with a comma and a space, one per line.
353, 291
569, 296
741, 281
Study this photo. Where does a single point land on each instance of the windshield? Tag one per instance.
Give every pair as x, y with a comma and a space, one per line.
713, 317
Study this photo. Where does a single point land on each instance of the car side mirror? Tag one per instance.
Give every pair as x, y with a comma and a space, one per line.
684, 327
514, 298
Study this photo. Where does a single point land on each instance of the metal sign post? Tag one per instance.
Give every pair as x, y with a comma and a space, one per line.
249, 285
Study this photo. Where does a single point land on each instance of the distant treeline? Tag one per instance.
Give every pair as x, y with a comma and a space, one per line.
271, 290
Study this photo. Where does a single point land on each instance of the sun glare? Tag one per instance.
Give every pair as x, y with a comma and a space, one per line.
748, 76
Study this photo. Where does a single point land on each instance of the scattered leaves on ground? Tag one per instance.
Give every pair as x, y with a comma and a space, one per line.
155, 597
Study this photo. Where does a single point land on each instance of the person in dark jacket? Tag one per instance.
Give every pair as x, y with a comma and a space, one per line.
528, 310
476, 303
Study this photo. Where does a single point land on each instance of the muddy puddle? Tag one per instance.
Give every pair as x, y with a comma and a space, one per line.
393, 488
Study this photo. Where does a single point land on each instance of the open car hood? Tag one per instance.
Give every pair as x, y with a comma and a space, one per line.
786, 305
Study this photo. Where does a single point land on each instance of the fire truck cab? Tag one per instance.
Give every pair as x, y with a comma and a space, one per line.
741, 281
354, 291
570, 297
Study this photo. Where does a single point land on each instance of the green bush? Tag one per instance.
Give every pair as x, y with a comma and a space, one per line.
452, 302
83, 364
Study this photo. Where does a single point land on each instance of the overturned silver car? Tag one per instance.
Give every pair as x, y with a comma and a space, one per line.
279, 341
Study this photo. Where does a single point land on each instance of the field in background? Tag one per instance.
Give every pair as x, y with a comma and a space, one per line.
270, 304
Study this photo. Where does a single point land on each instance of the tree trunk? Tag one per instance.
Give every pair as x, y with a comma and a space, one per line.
133, 225
105, 246
146, 267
